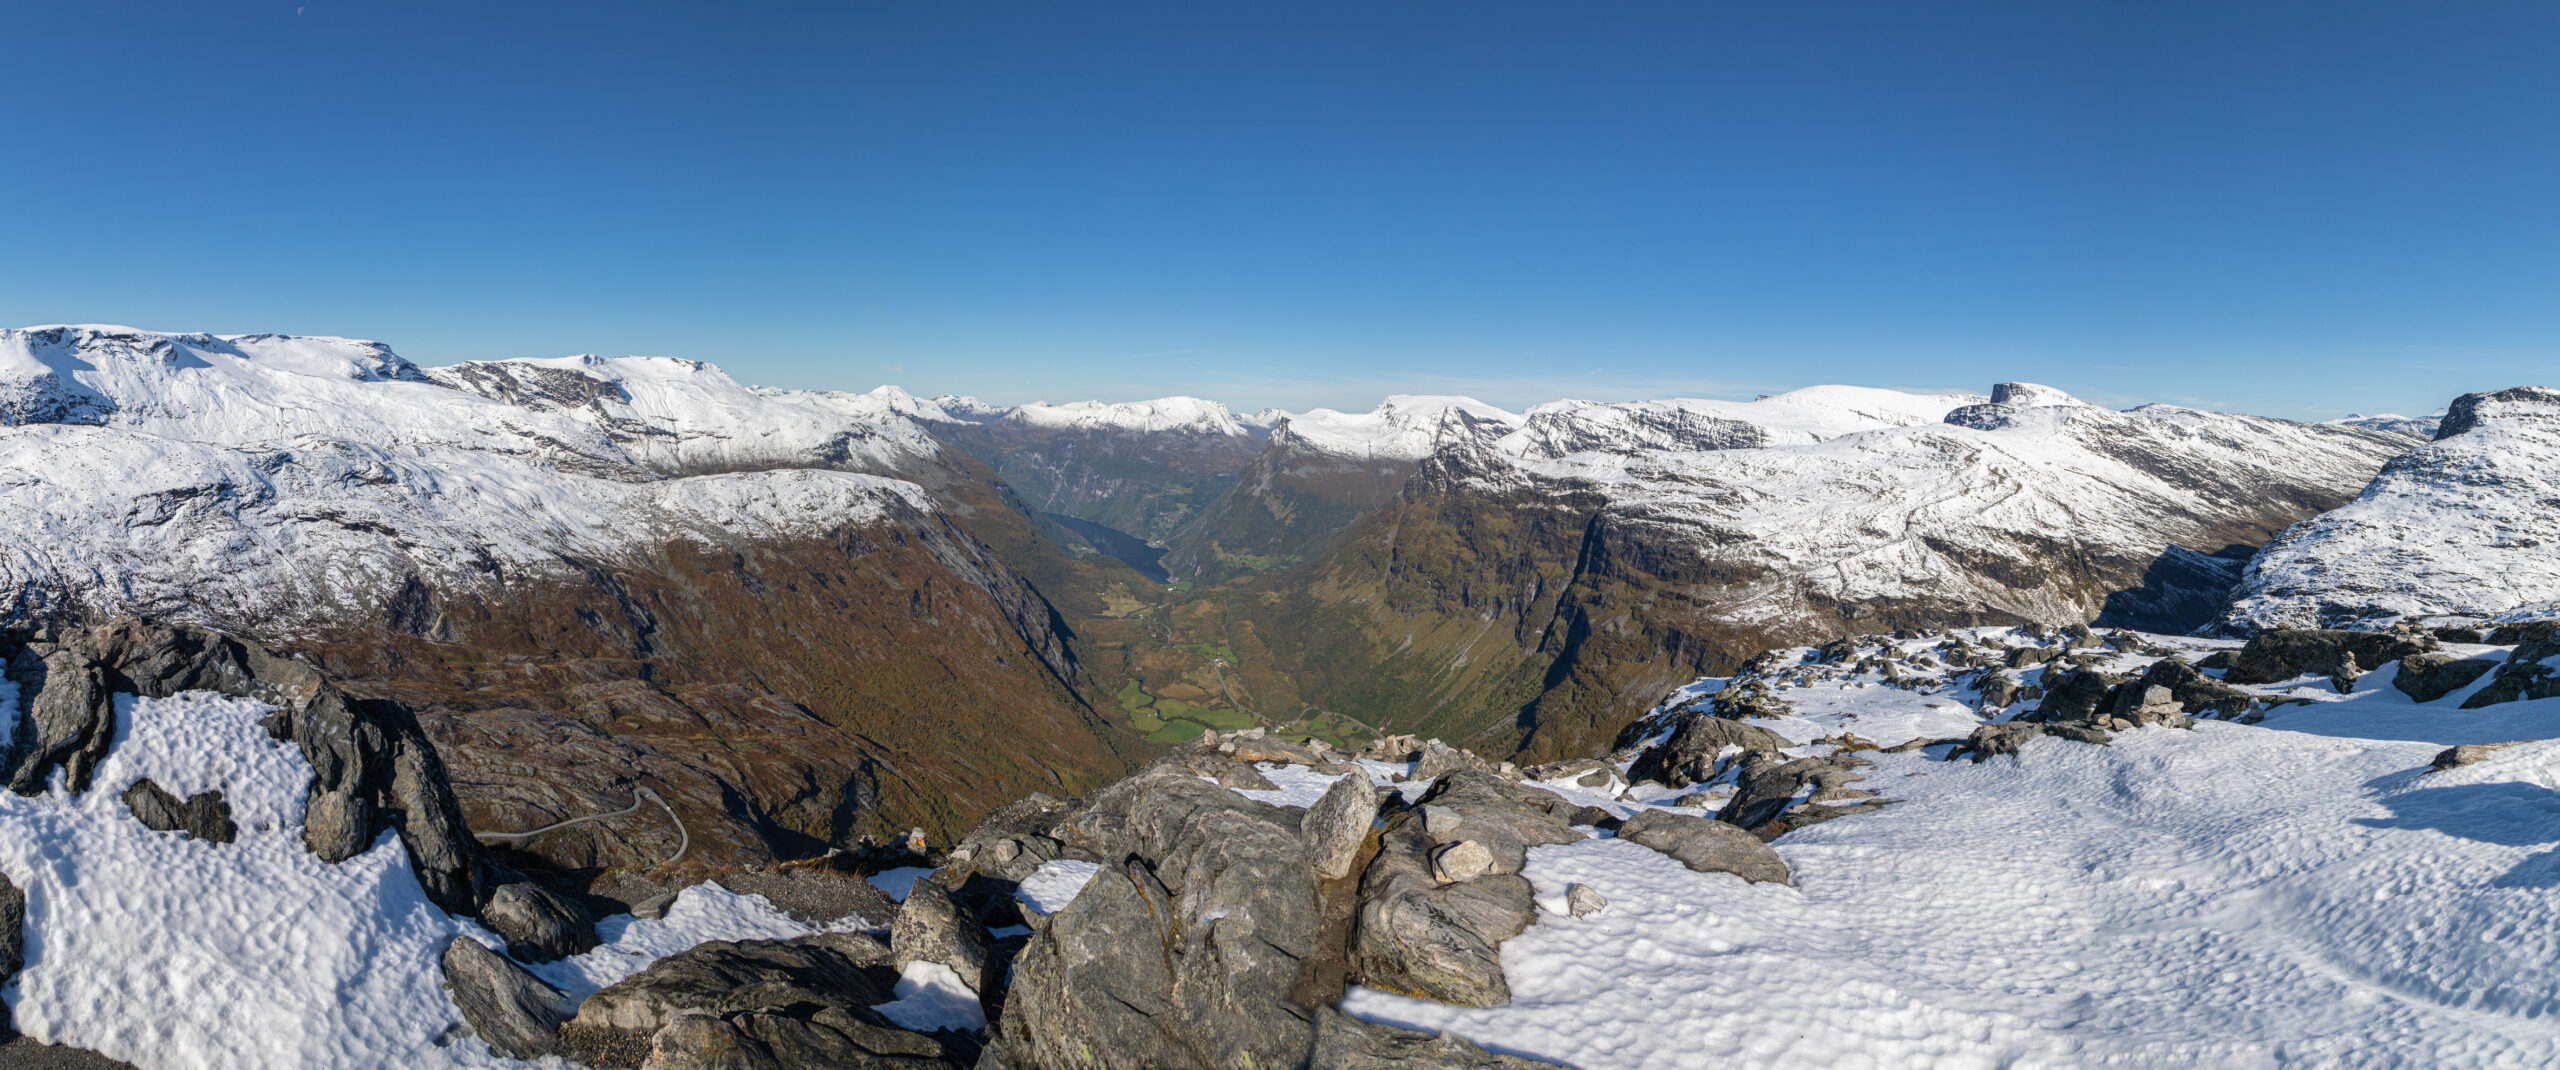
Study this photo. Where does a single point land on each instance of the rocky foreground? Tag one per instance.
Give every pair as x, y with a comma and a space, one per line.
1963, 844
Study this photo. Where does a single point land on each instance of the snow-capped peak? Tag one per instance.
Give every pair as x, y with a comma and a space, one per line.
1179, 414
1812, 414
1405, 427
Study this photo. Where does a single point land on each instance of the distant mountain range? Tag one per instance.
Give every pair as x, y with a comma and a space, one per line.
804, 616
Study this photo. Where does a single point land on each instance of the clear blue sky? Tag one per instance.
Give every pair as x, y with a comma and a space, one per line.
2290, 209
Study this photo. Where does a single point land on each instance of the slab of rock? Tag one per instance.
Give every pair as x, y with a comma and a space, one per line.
2428, 677
539, 925
1337, 827
1343, 1042
516, 1012
932, 927
1706, 846
2006, 737
802, 1037
2279, 654
202, 816
722, 977
1185, 949
2075, 695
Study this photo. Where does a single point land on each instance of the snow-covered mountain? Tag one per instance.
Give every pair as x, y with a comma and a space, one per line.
277, 482
1573, 567
764, 562
2421, 426
2466, 525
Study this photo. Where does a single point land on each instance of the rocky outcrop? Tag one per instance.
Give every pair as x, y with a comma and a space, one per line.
2281, 654
373, 770
2532, 671
516, 1012
1694, 750
1185, 949
1425, 931
932, 926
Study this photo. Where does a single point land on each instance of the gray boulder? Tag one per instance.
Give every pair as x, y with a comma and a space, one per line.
513, 1010
2428, 677
932, 927
724, 977
1336, 828
1706, 846
202, 816
1584, 900
1343, 1042
539, 925
1185, 949
801, 1037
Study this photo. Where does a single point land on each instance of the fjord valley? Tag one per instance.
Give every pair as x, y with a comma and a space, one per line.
520, 693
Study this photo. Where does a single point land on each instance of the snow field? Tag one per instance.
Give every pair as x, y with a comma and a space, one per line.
174, 954
2293, 893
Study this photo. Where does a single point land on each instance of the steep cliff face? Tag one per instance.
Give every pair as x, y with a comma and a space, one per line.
1515, 597
2465, 525
774, 607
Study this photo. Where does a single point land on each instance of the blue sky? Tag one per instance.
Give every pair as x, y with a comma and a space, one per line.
2295, 209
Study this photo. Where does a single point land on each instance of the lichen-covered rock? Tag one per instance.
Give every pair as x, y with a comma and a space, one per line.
1184, 950
516, 1012
539, 925
1705, 845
